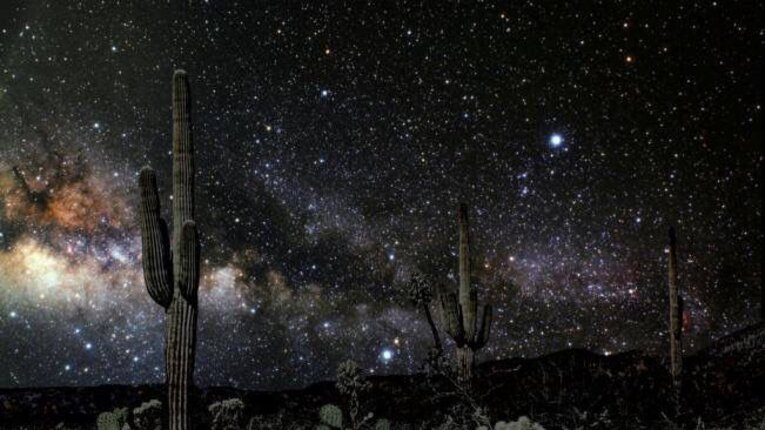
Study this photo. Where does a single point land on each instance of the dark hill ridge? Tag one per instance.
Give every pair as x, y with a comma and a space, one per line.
727, 379
751, 339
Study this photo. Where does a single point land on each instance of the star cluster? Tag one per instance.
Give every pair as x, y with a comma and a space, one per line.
333, 144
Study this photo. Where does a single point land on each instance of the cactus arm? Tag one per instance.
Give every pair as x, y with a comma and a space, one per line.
155, 242
451, 312
448, 314
188, 279
433, 329
483, 334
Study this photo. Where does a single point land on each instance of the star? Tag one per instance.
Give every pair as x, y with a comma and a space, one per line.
331, 158
386, 355
556, 140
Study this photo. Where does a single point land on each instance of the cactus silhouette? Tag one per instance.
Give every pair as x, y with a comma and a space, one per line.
460, 311
421, 295
675, 315
172, 280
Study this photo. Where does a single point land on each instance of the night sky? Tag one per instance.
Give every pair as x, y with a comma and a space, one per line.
333, 146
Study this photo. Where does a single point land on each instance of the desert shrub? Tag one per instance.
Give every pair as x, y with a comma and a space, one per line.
63, 426
352, 386
227, 414
277, 421
148, 416
523, 423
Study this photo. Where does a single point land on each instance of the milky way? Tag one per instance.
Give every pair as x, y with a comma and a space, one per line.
334, 144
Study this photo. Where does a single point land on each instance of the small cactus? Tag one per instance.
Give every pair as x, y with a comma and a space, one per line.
331, 416
382, 424
115, 420
107, 421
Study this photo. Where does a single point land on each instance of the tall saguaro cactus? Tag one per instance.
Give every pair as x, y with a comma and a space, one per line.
172, 279
460, 311
675, 314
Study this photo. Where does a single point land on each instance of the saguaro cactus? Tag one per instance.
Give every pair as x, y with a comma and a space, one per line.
173, 279
675, 314
460, 311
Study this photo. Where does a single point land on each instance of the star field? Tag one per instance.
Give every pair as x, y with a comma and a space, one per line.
333, 145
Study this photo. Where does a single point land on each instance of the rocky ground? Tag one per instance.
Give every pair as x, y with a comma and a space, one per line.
723, 387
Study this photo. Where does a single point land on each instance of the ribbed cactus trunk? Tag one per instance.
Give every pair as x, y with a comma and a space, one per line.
460, 312
675, 316
465, 365
172, 279
468, 296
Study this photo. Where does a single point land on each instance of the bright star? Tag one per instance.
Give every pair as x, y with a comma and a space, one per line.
556, 140
386, 355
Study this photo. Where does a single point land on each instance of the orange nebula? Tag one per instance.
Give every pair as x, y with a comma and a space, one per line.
72, 201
